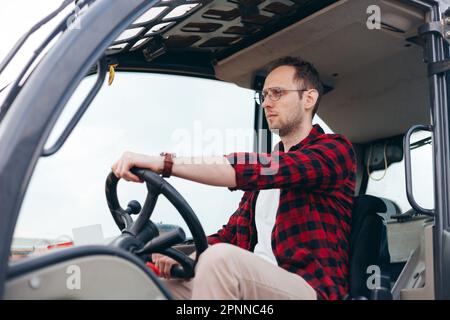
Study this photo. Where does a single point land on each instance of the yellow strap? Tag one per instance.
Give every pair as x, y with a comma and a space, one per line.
112, 73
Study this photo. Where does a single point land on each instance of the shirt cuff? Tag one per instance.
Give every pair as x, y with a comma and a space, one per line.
246, 167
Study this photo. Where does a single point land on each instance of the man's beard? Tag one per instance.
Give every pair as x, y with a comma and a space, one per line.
288, 128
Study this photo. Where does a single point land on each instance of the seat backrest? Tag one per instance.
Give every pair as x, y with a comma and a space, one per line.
368, 243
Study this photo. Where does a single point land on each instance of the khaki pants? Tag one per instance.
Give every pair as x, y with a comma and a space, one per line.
226, 272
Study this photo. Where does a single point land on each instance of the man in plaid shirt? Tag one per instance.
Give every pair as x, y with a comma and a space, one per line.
289, 237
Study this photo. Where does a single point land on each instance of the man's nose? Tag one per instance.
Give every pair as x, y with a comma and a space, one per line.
266, 103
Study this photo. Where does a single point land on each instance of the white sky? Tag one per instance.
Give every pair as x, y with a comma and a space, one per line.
67, 190
16, 18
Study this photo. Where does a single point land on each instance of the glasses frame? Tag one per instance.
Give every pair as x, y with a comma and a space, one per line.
260, 98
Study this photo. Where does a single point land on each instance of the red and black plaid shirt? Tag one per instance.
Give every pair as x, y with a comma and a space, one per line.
316, 179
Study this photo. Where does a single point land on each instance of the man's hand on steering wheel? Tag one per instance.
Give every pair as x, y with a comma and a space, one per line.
129, 160
164, 264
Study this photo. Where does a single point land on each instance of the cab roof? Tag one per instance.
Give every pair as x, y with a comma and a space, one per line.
376, 78
199, 33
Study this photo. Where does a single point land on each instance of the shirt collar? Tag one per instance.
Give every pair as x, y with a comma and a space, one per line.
315, 132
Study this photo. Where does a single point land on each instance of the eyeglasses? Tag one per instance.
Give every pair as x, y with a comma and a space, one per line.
274, 94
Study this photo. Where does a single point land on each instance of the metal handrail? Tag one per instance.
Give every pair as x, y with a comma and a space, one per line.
102, 68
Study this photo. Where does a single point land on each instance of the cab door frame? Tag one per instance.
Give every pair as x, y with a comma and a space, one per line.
436, 53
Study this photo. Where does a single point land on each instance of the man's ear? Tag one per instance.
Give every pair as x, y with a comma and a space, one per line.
311, 97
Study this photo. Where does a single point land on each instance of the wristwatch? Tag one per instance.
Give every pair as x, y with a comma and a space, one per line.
168, 164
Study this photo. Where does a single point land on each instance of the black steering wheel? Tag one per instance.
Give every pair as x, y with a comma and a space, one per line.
141, 236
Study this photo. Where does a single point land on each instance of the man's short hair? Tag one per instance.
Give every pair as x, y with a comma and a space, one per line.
305, 74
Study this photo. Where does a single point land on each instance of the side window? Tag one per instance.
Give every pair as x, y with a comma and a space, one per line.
144, 113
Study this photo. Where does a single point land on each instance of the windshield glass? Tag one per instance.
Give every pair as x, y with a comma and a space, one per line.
146, 113
17, 18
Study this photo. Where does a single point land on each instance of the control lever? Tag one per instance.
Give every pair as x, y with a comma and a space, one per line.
163, 241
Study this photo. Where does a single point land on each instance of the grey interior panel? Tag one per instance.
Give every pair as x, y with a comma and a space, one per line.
404, 237
91, 277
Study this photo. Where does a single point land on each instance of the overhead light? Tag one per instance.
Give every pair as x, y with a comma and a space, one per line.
154, 48
129, 33
159, 27
150, 15
180, 11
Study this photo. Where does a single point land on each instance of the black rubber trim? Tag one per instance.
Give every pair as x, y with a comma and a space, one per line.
33, 264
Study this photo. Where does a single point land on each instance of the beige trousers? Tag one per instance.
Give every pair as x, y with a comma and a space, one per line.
227, 272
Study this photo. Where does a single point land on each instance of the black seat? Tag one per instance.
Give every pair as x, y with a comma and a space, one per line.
368, 246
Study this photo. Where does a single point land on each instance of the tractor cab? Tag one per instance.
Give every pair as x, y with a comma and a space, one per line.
182, 75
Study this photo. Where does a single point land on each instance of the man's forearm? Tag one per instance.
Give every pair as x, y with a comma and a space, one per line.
215, 171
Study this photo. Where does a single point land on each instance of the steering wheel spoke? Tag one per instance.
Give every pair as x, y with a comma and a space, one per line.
163, 241
127, 220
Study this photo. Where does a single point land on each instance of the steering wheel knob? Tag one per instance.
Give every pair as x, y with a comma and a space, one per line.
134, 207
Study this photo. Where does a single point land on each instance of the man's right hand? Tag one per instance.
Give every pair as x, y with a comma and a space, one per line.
164, 264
